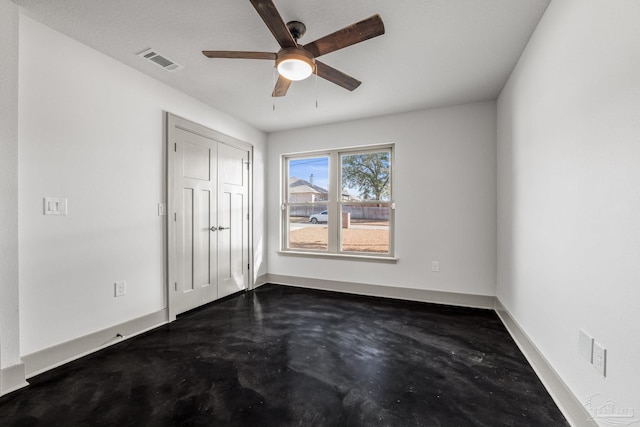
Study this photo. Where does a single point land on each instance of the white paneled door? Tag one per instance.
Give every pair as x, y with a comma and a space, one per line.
233, 215
208, 216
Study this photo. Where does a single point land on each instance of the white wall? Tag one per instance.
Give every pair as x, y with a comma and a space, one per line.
92, 130
569, 192
445, 194
9, 328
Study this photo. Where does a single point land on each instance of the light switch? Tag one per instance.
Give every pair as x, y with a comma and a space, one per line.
55, 206
585, 345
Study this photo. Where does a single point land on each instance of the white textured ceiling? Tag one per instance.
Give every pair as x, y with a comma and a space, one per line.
434, 53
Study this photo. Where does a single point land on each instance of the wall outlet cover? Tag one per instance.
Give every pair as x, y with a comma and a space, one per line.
600, 359
120, 288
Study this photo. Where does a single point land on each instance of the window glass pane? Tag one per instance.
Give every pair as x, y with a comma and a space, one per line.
366, 176
308, 179
365, 228
308, 227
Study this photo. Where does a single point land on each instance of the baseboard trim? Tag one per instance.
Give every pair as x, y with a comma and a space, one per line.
261, 280
411, 294
573, 410
52, 357
12, 378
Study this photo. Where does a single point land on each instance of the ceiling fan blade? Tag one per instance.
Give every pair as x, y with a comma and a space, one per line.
354, 33
337, 77
238, 54
282, 86
269, 14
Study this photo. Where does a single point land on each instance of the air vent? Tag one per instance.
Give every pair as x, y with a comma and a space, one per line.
159, 60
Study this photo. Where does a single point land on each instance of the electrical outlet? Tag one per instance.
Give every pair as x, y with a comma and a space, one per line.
600, 358
435, 266
120, 288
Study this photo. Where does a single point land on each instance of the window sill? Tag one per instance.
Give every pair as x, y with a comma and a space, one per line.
347, 257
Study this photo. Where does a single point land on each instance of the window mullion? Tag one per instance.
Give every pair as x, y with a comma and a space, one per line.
284, 211
332, 208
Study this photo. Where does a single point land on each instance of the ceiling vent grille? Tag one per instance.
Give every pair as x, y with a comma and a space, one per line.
161, 61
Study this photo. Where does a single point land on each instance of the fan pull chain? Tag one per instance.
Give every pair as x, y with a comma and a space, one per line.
316, 73
273, 98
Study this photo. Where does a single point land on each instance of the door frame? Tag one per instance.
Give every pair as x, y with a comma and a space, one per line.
174, 122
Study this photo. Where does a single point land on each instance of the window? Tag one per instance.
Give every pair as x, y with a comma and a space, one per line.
339, 202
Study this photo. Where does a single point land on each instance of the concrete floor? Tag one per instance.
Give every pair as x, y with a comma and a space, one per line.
284, 356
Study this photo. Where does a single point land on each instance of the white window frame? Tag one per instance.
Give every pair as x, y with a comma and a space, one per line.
335, 203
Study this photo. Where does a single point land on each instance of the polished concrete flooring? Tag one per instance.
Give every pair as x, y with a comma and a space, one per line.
284, 356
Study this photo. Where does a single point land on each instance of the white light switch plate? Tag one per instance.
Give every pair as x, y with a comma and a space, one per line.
55, 206
585, 346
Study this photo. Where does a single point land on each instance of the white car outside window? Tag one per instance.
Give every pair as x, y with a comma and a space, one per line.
319, 217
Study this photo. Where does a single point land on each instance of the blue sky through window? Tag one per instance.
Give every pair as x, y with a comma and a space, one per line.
319, 167
303, 168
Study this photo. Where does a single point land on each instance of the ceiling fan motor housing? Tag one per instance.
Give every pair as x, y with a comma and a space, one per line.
294, 53
297, 29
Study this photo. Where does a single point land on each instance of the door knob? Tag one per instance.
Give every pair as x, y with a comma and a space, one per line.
213, 228
223, 228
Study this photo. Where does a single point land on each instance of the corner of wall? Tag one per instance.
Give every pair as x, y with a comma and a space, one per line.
9, 276
12, 378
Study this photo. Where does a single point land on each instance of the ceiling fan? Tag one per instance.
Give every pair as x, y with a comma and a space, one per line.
297, 62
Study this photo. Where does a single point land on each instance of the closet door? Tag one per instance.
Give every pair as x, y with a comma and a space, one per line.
195, 219
208, 225
233, 219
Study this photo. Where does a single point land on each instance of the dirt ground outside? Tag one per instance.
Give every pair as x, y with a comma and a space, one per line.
305, 220
353, 239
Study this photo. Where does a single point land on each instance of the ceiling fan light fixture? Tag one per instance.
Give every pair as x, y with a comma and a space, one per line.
295, 69
295, 64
